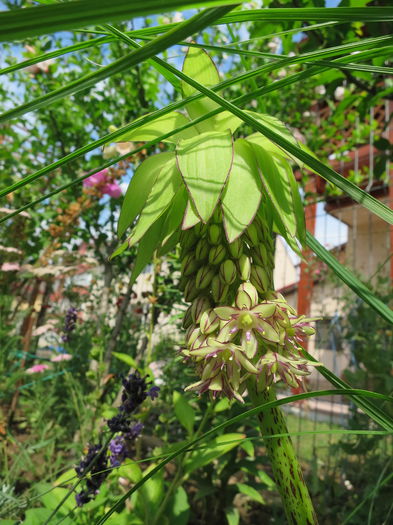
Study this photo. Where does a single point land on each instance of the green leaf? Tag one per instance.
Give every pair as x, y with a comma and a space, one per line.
298, 208
18, 24
147, 246
232, 516
356, 394
190, 216
205, 162
250, 492
158, 127
276, 185
328, 173
175, 213
54, 497
150, 495
127, 359
36, 516
179, 508
184, 412
139, 189
248, 447
159, 199
199, 66
242, 194
119, 250
216, 448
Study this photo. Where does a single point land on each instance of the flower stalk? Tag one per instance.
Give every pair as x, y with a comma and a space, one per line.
287, 470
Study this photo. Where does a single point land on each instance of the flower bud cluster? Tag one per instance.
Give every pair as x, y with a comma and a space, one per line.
93, 469
236, 324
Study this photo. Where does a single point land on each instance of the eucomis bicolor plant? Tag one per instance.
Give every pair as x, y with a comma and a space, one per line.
224, 200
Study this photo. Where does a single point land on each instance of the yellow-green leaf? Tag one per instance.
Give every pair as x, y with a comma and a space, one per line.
205, 162
242, 194
139, 188
199, 66
158, 127
159, 199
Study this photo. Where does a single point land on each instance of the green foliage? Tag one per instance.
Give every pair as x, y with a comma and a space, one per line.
73, 119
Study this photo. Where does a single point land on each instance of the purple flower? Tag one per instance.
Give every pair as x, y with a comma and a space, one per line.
118, 450
134, 431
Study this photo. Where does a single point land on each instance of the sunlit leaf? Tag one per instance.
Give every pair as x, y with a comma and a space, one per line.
199, 66
147, 246
158, 127
139, 188
242, 194
164, 189
205, 162
277, 187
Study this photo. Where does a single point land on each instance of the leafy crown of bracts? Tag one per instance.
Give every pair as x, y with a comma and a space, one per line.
222, 199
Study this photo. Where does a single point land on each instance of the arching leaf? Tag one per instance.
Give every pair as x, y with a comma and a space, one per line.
139, 188
159, 199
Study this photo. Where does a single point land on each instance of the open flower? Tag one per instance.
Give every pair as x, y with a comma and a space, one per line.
223, 367
250, 322
290, 369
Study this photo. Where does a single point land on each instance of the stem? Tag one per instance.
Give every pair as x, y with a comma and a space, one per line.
286, 468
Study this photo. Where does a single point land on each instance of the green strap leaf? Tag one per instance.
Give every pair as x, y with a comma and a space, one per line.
216, 448
33, 21
139, 188
349, 278
159, 199
356, 394
154, 47
242, 194
184, 412
205, 162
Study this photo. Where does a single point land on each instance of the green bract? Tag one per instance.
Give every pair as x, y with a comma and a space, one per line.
209, 171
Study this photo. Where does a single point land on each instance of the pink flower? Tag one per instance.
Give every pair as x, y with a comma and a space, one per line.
98, 178
36, 369
61, 357
10, 267
113, 190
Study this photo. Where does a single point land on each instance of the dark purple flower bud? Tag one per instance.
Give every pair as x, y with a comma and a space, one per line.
134, 431
153, 392
82, 498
